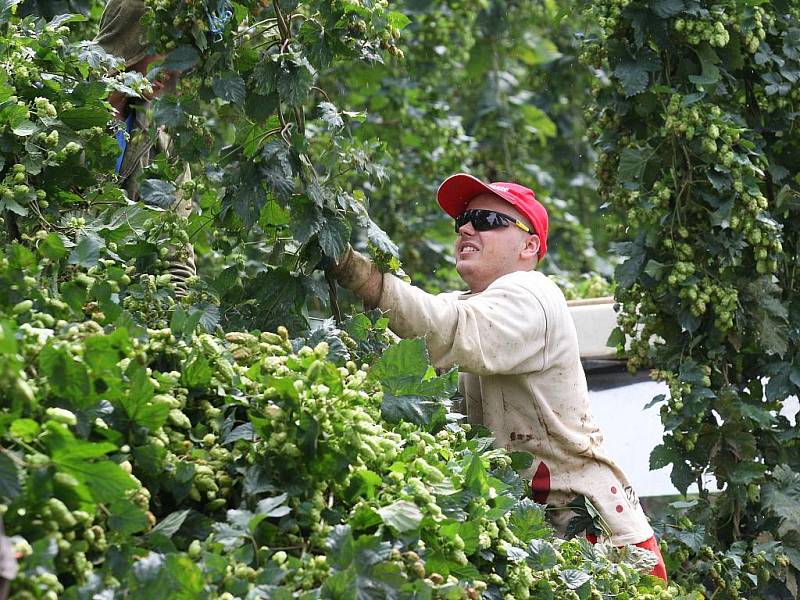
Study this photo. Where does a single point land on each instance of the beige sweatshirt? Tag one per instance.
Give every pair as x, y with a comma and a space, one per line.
516, 347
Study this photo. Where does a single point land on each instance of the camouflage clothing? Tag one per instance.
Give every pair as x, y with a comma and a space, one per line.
121, 34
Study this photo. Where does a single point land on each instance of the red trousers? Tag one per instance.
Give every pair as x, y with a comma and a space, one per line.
660, 570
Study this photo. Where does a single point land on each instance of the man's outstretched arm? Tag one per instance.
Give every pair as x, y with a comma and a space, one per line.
501, 330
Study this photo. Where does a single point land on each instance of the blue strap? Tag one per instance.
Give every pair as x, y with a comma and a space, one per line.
122, 138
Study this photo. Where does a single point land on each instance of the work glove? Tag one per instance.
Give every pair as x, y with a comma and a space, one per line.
355, 272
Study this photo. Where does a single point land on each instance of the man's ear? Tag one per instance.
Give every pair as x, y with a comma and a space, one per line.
531, 248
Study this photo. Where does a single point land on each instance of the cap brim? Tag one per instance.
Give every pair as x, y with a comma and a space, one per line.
457, 190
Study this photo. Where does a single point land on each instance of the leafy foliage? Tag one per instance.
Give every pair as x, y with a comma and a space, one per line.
697, 147
171, 463
492, 88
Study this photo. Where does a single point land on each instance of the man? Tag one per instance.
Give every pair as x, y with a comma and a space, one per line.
121, 35
515, 343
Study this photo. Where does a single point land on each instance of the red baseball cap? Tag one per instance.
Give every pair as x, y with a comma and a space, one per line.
457, 190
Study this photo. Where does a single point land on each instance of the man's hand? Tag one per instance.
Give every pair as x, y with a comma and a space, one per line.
356, 273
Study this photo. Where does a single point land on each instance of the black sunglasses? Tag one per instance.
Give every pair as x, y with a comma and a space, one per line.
484, 220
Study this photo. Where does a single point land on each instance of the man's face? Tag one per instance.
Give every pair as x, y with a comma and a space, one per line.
483, 256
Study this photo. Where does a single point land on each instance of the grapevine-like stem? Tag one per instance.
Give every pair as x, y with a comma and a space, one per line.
322, 93
337, 312
267, 45
282, 25
257, 24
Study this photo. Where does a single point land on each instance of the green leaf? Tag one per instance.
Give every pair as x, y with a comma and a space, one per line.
654, 269
747, 472
402, 365
469, 532
476, 479
340, 546
693, 538
265, 76
260, 108
414, 409
527, 521
169, 525
538, 121
781, 496
364, 483
6, 7
330, 115
87, 252
181, 58
85, 117
273, 507
106, 481
661, 456
209, 315
175, 576
52, 247
632, 163
10, 485
295, 78
126, 518
769, 315
67, 377
380, 239
157, 192
627, 273
682, 475
633, 77
334, 236
722, 216
762, 417
103, 352
402, 515
8, 340
667, 8
573, 578
617, 338
281, 298
137, 404
247, 200
708, 62
24, 128
397, 19
184, 322
229, 87
14, 206
64, 445
541, 555
25, 429
168, 111
521, 460
513, 553
196, 371
503, 504
19, 256
75, 294
277, 171
656, 400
